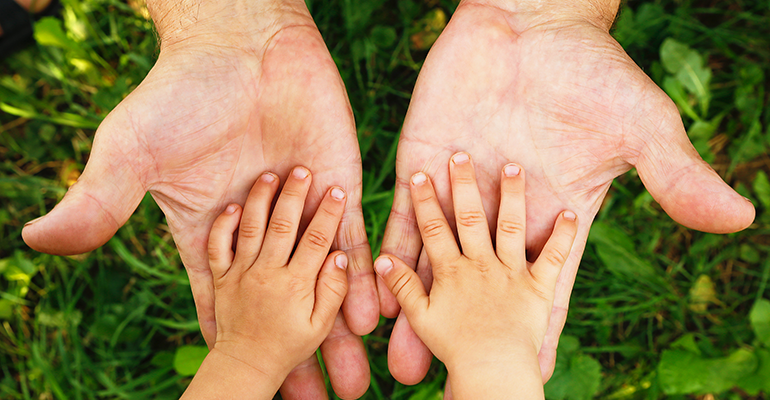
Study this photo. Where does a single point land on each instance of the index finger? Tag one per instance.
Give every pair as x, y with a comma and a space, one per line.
439, 242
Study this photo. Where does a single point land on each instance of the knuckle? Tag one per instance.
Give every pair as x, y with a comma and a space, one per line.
402, 287
336, 286
250, 231
215, 253
511, 227
471, 218
556, 257
433, 228
281, 226
317, 239
463, 179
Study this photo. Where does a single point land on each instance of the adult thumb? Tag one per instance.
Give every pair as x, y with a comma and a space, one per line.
687, 188
100, 202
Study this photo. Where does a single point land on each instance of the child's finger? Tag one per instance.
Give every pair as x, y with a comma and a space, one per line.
436, 234
472, 225
512, 218
405, 284
282, 230
330, 289
314, 245
548, 265
256, 215
221, 241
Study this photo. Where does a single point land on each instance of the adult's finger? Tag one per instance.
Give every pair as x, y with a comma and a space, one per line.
401, 239
361, 306
102, 200
687, 188
305, 381
408, 357
346, 361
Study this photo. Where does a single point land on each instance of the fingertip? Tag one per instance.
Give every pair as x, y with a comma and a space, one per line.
569, 216
300, 172
419, 179
269, 177
337, 193
383, 265
341, 261
512, 170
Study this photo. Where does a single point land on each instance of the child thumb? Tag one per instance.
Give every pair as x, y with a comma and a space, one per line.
331, 288
404, 283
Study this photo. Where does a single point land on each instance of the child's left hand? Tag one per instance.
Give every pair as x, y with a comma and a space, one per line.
273, 308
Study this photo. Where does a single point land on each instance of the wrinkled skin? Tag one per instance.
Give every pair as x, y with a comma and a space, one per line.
196, 134
561, 98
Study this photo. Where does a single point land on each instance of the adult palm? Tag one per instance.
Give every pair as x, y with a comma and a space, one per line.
561, 98
198, 131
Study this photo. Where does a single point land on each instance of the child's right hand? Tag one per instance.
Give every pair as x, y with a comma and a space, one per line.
488, 308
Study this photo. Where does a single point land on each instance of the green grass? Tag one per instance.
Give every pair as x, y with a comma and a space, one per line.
107, 324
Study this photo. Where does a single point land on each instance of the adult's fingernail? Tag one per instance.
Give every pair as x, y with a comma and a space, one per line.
570, 216
301, 172
338, 194
419, 178
460, 158
749, 200
511, 170
341, 261
383, 265
33, 221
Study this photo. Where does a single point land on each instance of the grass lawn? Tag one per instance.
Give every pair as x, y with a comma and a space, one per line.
658, 310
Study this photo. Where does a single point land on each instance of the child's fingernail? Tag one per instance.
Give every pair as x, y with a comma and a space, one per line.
301, 173
383, 265
511, 170
338, 194
341, 261
460, 158
268, 177
570, 216
419, 178
230, 209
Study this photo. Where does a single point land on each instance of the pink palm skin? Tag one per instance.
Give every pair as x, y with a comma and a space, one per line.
560, 97
196, 134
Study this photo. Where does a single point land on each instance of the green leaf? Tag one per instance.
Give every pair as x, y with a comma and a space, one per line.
688, 67
760, 379
760, 320
617, 251
576, 376
683, 372
188, 359
762, 188
6, 309
383, 36
49, 32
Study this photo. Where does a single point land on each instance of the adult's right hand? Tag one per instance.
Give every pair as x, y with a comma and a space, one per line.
238, 89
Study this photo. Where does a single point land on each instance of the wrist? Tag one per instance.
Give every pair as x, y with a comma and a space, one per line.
223, 376
600, 13
497, 376
240, 24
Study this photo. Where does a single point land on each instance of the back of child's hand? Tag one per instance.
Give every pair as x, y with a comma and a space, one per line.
487, 304
274, 308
